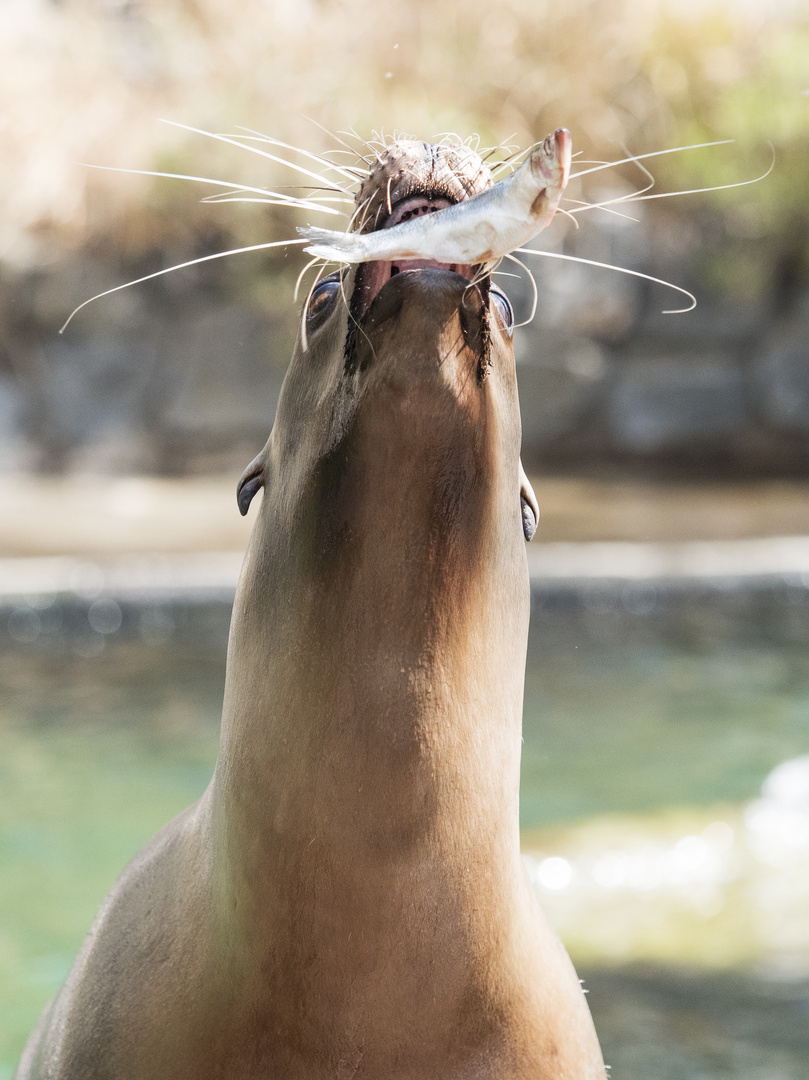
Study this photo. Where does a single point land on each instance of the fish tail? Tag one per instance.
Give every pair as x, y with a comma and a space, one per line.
332, 246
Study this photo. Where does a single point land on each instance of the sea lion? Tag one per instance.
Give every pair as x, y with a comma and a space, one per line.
348, 898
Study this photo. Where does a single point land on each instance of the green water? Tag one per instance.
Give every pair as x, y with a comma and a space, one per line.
104, 736
689, 704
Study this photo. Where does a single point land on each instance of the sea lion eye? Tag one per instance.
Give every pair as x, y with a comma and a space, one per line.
323, 298
504, 309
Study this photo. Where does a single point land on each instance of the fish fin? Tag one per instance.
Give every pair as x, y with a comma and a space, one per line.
333, 246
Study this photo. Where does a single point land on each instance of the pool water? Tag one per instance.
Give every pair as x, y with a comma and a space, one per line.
651, 717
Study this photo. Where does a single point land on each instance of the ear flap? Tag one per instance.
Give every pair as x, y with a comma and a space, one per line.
252, 479
529, 506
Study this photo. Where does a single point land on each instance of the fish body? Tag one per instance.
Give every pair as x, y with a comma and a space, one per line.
478, 230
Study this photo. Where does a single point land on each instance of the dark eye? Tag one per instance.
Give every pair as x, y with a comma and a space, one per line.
502, 305
323, 298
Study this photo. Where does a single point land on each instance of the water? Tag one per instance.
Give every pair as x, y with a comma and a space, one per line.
652, 716
650, 697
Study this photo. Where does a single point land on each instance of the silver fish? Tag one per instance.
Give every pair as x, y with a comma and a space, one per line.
479, 230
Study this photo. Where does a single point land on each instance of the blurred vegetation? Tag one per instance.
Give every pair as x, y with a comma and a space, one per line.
86, 81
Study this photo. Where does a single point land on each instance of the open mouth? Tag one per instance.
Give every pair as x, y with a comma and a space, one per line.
373, 276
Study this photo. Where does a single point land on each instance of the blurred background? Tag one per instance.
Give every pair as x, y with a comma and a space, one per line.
665, 793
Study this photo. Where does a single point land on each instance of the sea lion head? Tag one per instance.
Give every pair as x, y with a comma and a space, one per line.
393, 465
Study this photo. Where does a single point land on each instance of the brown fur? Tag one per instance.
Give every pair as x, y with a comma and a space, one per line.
347, 899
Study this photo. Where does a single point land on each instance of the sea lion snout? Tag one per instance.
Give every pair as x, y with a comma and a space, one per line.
428, 321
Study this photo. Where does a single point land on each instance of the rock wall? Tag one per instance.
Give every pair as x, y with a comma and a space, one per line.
607, 381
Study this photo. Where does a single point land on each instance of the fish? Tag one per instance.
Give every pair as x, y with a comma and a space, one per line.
478, 231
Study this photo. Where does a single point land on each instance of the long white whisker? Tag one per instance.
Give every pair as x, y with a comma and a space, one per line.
253, 150
257, 137
644, 170
505, 146
353, 134
301, 275
632, 197
699, 191
655, 153
181, 266
216, 200
583, 205
304, 309
639, 197
231, 185
568, 214
533, 286
281, 189
517, 153
335, 135
618, 270
348, 174
363, 206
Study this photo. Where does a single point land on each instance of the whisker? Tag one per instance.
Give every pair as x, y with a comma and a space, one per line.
304, 335
512, 159
216, 200
378, 137
351, 172
335, 135
353, 135
654, 153
180, 266
363, 206
301, 275
644, 170
715, 187
640, 197
618, 270
253, 150
504, 145
484, 270
583, 205
306, 187
303, 204
631, 197
344, 172
568, 214
533, 286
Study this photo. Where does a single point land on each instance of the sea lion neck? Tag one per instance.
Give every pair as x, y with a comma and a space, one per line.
373, 703
383, 609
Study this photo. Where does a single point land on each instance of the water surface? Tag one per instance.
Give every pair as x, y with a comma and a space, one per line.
640, 703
